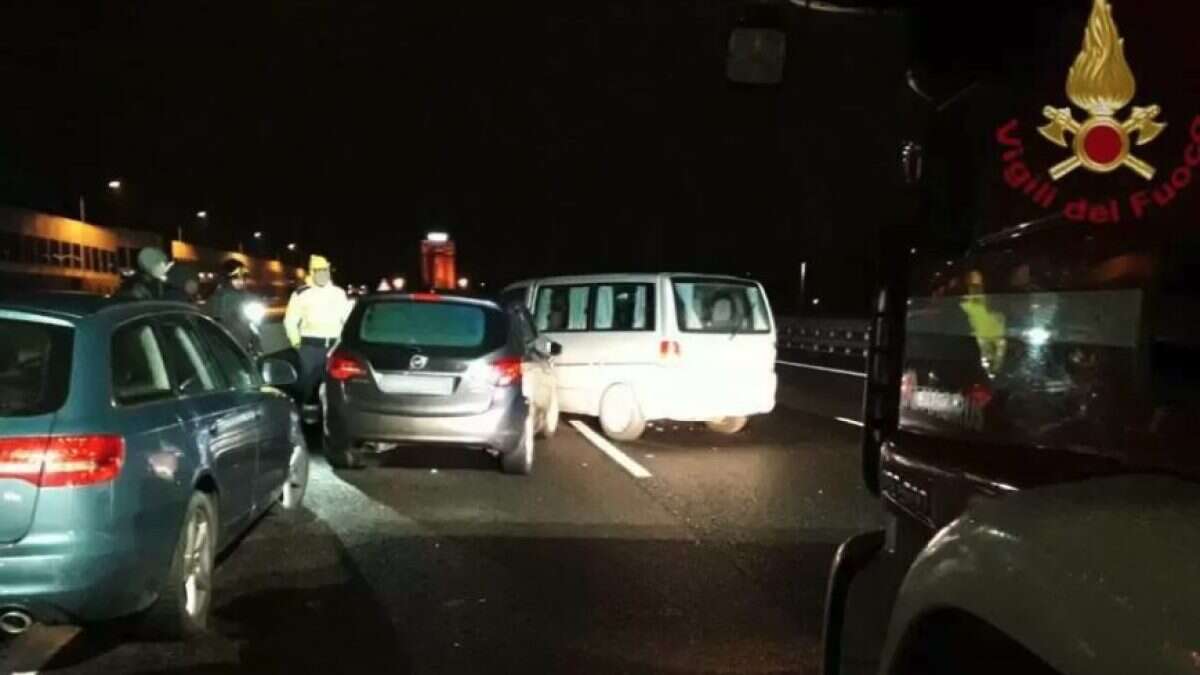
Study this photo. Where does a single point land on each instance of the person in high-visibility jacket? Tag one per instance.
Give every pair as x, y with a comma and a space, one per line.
313, 321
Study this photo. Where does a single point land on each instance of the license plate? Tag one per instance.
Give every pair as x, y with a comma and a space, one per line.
421, 385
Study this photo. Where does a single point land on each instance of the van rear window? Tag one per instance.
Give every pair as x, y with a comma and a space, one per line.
713, 306
35, 367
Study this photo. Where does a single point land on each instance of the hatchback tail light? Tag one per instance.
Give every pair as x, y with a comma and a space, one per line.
62, 461
506, 371
342, 366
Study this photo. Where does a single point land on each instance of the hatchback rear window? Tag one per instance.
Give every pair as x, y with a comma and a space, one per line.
35, 367
431, 324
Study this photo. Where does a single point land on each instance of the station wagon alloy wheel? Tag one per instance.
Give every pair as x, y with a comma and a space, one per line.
297, 481
198, 561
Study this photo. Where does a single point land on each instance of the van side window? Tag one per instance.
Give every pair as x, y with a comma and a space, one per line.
624, 307
562, 308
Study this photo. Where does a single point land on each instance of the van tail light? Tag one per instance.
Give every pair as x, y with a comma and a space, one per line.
506, 371
668, 351
342, 366
62, 461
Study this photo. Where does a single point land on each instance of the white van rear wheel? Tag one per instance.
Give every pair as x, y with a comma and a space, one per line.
727, 425
620, 417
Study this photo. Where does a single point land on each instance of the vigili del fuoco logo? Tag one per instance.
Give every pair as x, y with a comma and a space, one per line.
1101, 84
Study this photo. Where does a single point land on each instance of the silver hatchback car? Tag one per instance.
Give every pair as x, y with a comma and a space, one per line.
431, 369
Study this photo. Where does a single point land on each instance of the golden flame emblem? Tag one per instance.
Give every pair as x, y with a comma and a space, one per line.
1101, 83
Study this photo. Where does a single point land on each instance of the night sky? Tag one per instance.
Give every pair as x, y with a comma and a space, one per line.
545, 137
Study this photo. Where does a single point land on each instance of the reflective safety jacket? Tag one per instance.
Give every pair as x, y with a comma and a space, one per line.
317, 312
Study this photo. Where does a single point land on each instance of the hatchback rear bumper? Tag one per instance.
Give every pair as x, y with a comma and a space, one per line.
498, 429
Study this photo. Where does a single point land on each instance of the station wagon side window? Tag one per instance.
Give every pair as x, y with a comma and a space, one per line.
193, 367
232, 360
624, 307
563, 308
139, 372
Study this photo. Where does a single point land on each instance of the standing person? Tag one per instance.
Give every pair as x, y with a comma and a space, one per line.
150, 280
237, 308
315, 315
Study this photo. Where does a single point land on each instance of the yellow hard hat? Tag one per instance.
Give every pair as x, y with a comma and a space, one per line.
317, 262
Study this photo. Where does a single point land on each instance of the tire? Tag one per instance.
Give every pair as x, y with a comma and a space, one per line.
341, 456
338, 452
549, 425
185, 597
727, 425
519, 460
620, 416
296, 485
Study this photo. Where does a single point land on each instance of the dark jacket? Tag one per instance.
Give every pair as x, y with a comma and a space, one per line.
142, 286
227, 305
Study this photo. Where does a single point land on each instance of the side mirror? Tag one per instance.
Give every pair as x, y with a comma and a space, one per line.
555, 348
278, 373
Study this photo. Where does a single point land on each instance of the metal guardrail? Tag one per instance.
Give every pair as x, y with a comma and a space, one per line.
835, 337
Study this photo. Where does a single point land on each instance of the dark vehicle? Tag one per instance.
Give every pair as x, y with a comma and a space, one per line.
1033, 396
137, 440
431, 369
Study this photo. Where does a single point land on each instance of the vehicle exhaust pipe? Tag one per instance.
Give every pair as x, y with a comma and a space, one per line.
15, 621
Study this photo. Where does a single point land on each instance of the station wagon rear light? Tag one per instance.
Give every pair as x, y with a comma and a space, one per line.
342, 366
506, 371
62, 461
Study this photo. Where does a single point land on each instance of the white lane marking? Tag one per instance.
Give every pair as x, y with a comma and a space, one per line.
614, 453
847, 420
823, 369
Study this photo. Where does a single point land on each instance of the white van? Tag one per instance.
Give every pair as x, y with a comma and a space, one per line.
641, 347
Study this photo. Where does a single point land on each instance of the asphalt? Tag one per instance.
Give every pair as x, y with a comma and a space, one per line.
433, 561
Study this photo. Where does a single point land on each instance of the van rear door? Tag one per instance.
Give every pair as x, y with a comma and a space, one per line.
723, 333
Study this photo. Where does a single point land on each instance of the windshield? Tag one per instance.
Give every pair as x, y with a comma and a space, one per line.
703, 306
430, 324
35, 367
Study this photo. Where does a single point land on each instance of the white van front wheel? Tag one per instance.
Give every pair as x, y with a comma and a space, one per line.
727, 425
620, 417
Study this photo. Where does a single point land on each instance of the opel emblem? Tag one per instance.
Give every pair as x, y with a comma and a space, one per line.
418, 362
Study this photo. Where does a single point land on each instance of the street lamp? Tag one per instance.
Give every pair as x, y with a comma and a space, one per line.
258, 235
463, 282
114, 184
437, 237
202, 214
291, 246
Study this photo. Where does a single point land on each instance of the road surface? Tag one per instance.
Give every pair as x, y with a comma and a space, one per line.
434, 562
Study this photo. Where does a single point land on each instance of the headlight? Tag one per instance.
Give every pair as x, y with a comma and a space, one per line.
254, 312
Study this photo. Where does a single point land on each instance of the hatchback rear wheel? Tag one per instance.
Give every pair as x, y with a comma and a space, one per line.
185, 597
519, 460
550, 417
